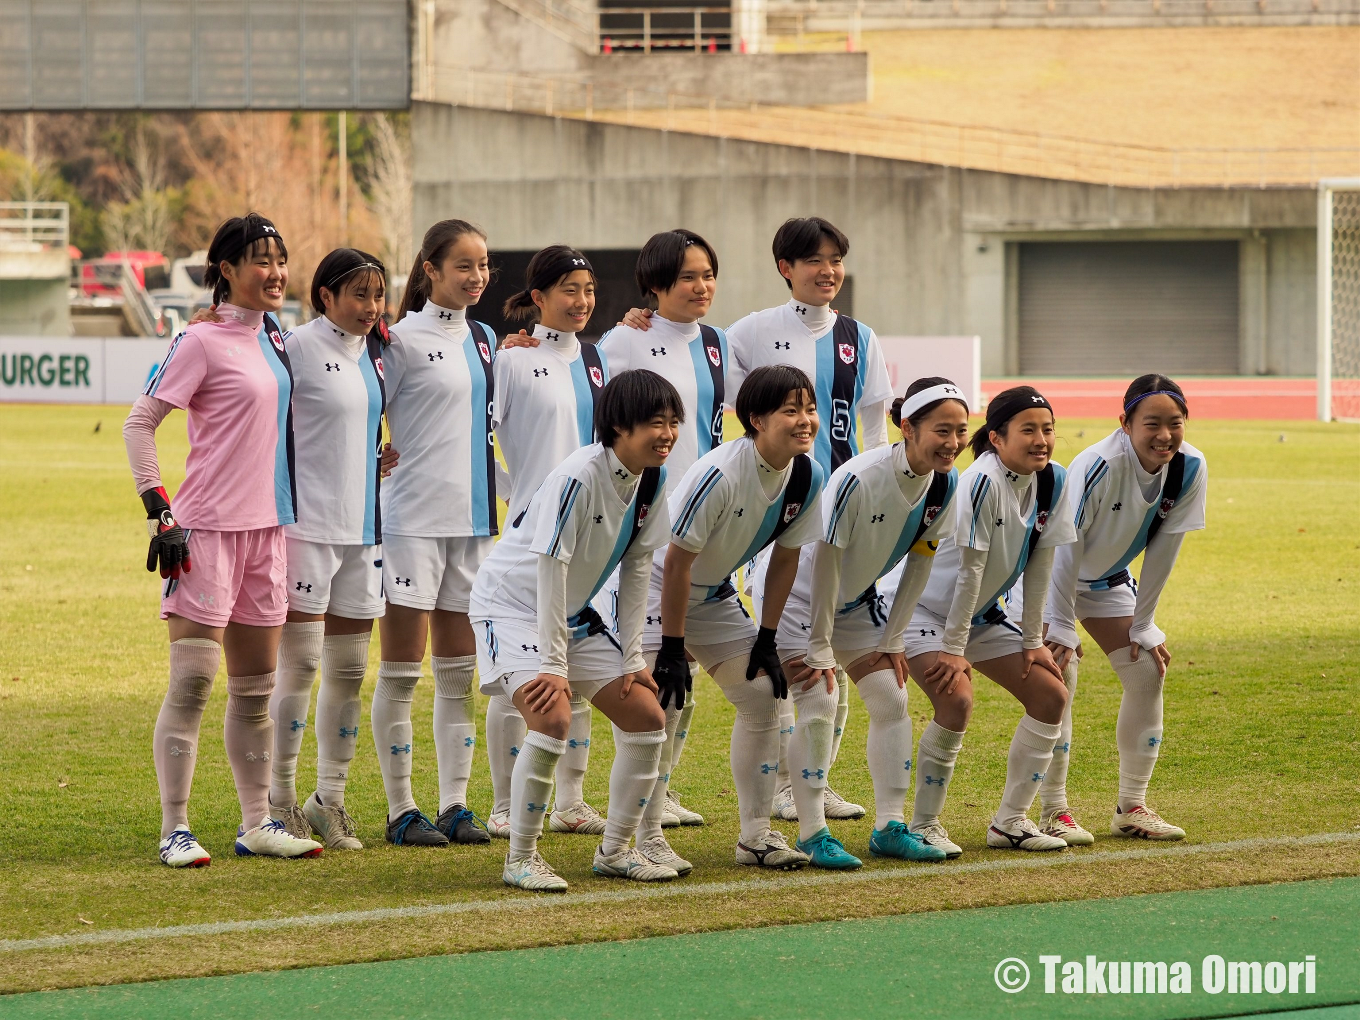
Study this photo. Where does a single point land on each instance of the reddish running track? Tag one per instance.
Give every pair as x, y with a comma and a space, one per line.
1234, 397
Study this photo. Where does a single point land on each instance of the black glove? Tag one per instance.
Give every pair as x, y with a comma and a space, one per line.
671, 672
764, 656
169, 546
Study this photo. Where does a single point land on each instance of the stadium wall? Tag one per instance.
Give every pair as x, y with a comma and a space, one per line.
934, 248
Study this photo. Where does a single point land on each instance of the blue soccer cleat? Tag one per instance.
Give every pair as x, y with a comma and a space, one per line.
826, 851
896, 840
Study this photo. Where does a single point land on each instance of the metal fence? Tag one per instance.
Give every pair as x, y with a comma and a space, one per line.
33, 226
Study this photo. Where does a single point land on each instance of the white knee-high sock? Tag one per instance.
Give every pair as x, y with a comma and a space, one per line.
455, 734
392, 732
1138, 732
530, 786
571, 767
755, 745
686, 718
842, 713
193, 665
1030, 754
889, 744
650, 826
248, 733
299, 656
936, 755
505, 730
787, 727
344, 662
632, 782
810, 754
1053, 792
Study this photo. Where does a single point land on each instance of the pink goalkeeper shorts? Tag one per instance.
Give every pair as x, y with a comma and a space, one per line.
237, 577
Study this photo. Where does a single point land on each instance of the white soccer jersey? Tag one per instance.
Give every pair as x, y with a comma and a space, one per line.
721, 512
337, 432
439, 392
843, 360
693, 358
993, 517
1116, 501
576, 516
545, 407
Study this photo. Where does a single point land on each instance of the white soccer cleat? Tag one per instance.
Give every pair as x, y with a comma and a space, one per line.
631, 863
499, 825
181, 850
936, 836
580, 818
1144, 823
294, 821
838, 808
658, 851
784, 808
332, 823
532, 873
686, 816
669, 819
1025, 837
271, 839
771, 850
1066, 828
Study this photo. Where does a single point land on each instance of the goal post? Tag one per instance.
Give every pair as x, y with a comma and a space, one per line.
1338, 312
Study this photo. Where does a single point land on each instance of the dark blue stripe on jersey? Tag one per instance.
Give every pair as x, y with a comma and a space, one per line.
564, 506
1059, 480
369, 373
154, 382
591, 359
915, 526
285, 492
628, 529
979, 499
483, 460
773, 524
696, 499
709, 385
844, 490
839, 385
1097, 471
1192, 466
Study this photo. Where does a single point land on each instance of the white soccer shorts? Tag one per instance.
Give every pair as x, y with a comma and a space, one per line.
344, 580
508, 658
925, 633
432, 573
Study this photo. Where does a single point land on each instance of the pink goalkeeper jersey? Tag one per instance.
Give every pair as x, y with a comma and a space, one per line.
233, 379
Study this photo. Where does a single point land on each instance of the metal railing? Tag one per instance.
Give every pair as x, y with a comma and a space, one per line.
33, 226
646, 29
975, 147
111, 283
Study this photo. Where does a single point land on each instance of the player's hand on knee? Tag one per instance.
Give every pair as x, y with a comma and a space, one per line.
388, 460
643, 678
169, 548
638, 318
765, 659
896, 661
1159, 655
542, 692
671, 672
520, 339
1062, 655
1043, 659
947, 671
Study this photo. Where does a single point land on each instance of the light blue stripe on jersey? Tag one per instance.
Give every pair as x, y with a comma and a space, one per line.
1192, 465
979, 497
375, 408
843, 492
283, 482
621, 542
910, 528
703, 387
1059, 480
481, 429
771, 519
154, 382
585, 400
1094, 474
826, 373
696, 499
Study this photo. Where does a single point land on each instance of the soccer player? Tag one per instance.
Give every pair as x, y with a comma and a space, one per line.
223, 555
334, 548
1012, 515
542, 638
760, 491
1139, 490
439, 516
545, 406
884, 505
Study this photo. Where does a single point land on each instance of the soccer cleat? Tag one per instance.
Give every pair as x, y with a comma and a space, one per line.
631, 863
784, 808
1062, 825
896, 840
838, 808
332, 823
1143, 823
1026, 837
414, 829
669, 819
498, 824
826, 851
532, 873
686, 816
658, 851
462, 826
271, 839
580, 818
935, 835
293, 820
771, 850
181, 850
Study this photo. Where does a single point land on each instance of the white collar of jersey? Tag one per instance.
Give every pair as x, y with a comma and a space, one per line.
1018, 482
899, 456
685, 330
554, 337
452, 318
765, 465
1145, 480
350, 341
817, 318
623, 479
252, 317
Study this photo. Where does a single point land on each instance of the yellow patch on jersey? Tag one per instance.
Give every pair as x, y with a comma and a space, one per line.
924, 548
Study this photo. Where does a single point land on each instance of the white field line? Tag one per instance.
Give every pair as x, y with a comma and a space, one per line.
533, 903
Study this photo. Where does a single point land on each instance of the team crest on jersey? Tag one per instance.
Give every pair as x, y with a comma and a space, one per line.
715, 356
643, 510
1165, 508
484, 351
276, 338
1040, 520
791, 511
847, 352
378, 367
596, 376
931, 513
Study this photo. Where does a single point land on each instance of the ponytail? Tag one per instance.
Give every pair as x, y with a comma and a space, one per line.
546, 270
433, 249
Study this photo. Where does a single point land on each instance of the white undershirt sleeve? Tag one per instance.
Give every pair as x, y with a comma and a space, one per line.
967, 591
826, 586
139, 436
553, 633
634, 574
1061, 612
874, 419
503, 485
1157, 563
1034, 585
909, 589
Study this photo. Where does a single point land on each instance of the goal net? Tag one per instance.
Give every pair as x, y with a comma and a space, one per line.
1339, 299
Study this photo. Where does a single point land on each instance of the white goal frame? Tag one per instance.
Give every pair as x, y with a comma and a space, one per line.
1327, 189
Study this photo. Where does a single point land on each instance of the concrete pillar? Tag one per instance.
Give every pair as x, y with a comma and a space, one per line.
748, 26
1252, 303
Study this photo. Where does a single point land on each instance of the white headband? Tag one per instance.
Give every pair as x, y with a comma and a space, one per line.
945, 391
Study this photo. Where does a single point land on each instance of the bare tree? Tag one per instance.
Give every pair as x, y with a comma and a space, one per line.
143, 220
390, 191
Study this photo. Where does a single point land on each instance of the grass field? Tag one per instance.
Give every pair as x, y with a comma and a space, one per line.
1261, 741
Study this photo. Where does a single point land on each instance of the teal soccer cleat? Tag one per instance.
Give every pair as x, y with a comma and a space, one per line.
826, 851
898, 841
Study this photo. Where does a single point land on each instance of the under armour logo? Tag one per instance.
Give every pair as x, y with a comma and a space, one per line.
435, 355
876, 519
930, 631
514, 752
1115, 508
302, 587
653, 619
800, 309
680, 735
540, 372
573, 742
1154, 741
767, 767
529, 648
352, 731
599, 518
233, 351
908, 765
838, 731
401, 748
1038, 399
932, 781
782, 345
738, 511
1011, 476
814, 774
1039, 776
658, 352
469, 741
553, 336
805, 626
405, 581
176, 751
786, 730
540, 808
252, 756
1064, 748
621, 473
332, 366
445, 315
298, 724
642, 802
999, 522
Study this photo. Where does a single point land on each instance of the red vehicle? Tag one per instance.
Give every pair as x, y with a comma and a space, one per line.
149, 268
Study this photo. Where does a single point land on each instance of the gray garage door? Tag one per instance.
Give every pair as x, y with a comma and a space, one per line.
1128, 307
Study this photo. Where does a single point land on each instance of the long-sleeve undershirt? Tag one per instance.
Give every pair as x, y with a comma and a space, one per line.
874, 421
139, 437
553, 632
914, 578
634, 575
967, 591
1034, 585
1158, 560
826, 587
1061, 608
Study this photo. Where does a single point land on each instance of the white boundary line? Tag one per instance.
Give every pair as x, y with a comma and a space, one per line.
803, 879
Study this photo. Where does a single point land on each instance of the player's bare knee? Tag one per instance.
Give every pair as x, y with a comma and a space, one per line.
554, 722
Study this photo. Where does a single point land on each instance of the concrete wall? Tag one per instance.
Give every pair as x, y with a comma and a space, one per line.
34, 299
930, 244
